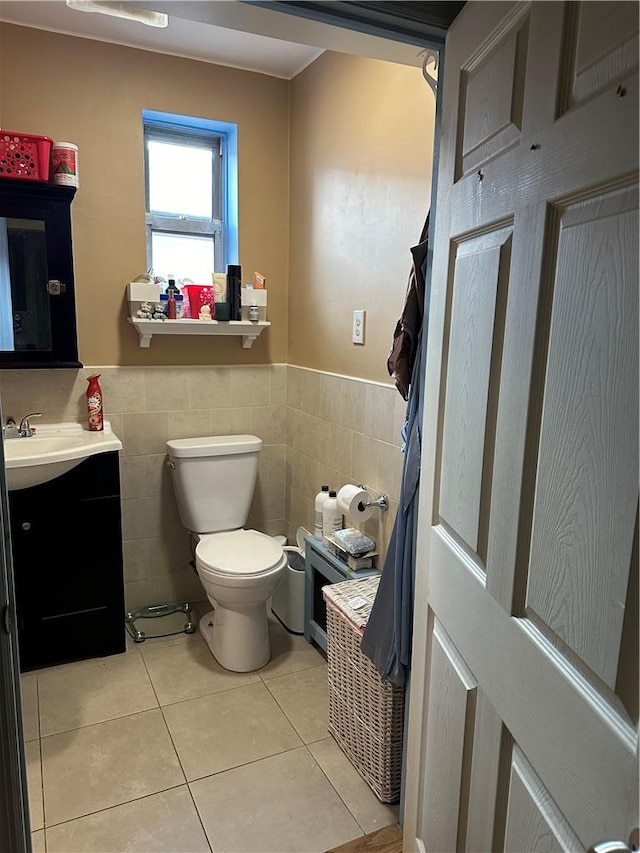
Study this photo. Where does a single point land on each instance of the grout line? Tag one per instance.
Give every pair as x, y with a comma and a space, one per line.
117, 805
339, 795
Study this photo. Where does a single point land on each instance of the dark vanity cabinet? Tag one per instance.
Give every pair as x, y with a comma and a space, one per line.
37, 295
67, 557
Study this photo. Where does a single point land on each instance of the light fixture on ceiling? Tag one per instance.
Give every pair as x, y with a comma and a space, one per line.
121, 10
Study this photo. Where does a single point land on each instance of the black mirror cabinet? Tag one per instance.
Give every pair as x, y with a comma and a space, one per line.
37, 295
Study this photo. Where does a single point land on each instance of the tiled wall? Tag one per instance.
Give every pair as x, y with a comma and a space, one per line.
342, 430
146, 407
316, 428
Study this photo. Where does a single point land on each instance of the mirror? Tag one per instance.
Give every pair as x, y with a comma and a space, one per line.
25, 322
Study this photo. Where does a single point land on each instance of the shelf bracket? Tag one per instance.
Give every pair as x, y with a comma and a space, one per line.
247, 341
145, 339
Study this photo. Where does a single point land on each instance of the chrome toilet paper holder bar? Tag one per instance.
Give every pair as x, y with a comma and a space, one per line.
382, 502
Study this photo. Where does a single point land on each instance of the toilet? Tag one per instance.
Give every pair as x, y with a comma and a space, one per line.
213, 479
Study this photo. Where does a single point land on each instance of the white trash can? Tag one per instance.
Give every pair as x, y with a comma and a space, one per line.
287, 602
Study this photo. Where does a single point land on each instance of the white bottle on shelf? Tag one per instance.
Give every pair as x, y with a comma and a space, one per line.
331, 516
321, 497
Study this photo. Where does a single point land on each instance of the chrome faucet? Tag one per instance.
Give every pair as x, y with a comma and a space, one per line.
25, 430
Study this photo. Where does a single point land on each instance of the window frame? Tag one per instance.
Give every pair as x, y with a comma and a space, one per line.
184, 133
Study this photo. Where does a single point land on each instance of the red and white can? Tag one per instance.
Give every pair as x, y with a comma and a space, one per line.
64, 163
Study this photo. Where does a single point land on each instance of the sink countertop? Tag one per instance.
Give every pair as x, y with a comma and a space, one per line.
53, 442
53, 450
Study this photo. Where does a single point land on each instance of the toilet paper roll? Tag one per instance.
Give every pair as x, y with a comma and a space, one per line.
351, 500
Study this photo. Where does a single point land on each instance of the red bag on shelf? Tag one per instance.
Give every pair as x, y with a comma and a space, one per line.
199, 295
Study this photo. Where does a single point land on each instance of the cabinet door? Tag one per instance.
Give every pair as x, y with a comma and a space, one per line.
37, 298
67, 554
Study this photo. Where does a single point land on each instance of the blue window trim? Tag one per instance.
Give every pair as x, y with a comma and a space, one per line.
228, 133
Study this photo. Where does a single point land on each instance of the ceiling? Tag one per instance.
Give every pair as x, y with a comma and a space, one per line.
224, 32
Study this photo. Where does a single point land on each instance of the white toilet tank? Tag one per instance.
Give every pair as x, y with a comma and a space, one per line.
213, 479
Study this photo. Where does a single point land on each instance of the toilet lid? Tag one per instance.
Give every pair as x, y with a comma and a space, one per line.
239, 552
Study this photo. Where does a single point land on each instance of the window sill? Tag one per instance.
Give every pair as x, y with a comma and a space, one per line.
245, 329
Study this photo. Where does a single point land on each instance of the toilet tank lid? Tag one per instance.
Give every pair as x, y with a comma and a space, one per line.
214, 445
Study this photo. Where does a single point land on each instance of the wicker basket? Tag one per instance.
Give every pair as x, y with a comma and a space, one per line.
366, 714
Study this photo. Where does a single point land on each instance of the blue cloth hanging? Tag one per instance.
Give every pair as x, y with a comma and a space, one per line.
387, 636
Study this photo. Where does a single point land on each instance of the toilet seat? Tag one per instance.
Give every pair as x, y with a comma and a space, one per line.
239, 553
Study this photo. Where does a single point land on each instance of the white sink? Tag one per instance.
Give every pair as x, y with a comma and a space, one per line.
52, 451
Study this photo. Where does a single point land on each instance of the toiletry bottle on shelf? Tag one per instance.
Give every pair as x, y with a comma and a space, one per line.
171, 305
321, 497
94, 404
234, 290
179, 298
331, 516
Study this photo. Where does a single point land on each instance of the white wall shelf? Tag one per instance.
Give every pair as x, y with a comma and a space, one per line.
245, 329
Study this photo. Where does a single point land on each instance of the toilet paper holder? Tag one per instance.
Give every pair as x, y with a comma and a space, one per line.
382, 502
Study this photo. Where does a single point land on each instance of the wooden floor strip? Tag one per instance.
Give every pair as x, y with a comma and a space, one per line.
385, 840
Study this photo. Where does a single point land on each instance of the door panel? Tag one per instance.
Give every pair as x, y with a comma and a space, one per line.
604, 39
534, 821
480, 284
587, 480
522, 730
452, 705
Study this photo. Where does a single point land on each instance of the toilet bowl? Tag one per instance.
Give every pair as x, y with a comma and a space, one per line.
239, 571
214, 479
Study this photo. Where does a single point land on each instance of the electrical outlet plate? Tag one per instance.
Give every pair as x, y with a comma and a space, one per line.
357, 335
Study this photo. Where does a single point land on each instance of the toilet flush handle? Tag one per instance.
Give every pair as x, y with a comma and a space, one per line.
171, 464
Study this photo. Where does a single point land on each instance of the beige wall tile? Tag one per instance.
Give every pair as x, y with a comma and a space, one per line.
145, 434
270, 424
294, 387
271, 463
124, 389
399, 413
189, 424
379, 412
268, 502
166, 389
363, 460
250, 386
340, 443
67, 395
25, 391
178, 586
278, 385
231, 421
311, 392
209, 387
142, 518
389, 469
153, 558
141, 476
275, 527
330, 406
354, 396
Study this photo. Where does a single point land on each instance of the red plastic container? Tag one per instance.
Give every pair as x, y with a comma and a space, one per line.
199, 295
24, 156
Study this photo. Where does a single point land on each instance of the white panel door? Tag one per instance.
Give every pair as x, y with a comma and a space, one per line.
523, 722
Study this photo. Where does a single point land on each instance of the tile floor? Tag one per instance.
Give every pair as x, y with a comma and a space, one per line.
160, 749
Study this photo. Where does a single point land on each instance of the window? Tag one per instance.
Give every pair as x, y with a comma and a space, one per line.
191, 195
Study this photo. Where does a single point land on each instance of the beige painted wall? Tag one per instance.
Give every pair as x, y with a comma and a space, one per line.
361, 153
92, 94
